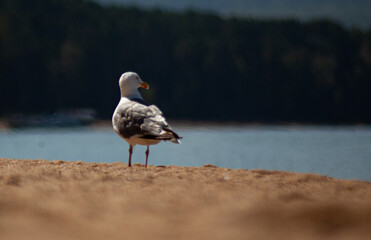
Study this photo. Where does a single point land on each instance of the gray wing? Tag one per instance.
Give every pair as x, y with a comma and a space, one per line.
134, 118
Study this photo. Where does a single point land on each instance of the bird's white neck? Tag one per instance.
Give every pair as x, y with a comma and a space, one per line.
132, 94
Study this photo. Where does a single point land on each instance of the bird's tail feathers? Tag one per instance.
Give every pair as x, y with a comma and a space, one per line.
174, 140
171, 135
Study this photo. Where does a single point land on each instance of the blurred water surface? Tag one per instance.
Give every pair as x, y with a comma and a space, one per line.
342, 152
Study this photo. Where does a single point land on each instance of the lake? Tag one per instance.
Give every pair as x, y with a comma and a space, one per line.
342, 152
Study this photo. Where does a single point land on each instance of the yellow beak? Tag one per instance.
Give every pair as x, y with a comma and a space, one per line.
144, 85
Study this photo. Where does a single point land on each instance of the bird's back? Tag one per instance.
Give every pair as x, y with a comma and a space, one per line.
132, 119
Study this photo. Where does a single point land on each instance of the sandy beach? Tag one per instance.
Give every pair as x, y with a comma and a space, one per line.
77, 200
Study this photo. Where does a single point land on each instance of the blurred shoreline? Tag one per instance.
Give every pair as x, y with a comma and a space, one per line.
66, 121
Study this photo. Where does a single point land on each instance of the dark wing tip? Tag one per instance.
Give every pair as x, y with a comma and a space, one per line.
168, 129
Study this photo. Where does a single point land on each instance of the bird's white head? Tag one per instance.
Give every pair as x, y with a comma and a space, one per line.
129, 83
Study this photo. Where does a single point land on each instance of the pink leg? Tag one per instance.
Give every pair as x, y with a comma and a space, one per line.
130, 152
147, 153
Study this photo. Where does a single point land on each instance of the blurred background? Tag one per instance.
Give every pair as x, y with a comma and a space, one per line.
226, 61
267, 65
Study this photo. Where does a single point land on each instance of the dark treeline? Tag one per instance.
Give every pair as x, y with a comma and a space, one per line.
66, 54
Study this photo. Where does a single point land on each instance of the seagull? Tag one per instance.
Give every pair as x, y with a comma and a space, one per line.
137, 122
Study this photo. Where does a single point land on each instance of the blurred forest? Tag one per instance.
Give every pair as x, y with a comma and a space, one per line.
68, 54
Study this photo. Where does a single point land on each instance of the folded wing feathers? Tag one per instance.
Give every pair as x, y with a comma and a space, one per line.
145, 122
156, 127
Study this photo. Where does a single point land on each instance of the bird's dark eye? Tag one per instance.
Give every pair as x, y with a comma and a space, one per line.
137, 78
